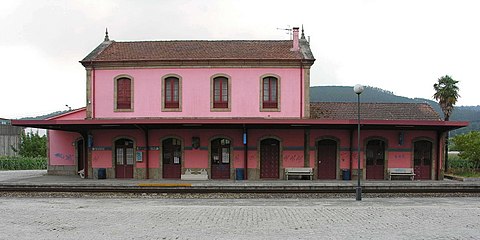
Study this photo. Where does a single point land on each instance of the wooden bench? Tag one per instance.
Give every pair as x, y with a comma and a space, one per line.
401, 172
299, 172
198, 174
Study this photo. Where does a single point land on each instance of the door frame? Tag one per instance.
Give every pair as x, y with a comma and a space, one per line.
114, 151
281, 169
232, 169
182, 149
433, 155
76, 154
385, 154
337, 161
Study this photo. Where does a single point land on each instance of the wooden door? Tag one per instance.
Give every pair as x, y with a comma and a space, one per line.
124, 158
220, 158
80, 154
269, 158
172, 158
327, 159
375, 159
422, 159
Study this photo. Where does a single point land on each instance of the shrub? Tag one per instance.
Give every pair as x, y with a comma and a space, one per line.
22, 163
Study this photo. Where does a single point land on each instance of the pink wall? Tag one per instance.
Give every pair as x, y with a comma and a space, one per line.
62, 147
245, 99
79, 114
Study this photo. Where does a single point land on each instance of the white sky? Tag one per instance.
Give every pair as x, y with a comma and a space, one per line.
401, 46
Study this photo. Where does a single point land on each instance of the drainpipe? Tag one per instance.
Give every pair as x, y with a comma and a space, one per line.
301, 89
439, 151
93, 90
245, 152
145, 131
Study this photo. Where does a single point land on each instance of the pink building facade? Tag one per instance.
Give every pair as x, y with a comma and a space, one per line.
230, 110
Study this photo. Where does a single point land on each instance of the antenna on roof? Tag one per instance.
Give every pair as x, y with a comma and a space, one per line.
106, 35
288, 31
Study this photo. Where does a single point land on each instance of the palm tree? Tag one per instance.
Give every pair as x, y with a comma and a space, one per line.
446, 93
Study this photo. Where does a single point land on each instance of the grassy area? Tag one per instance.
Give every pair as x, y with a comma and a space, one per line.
22, 163
461, 167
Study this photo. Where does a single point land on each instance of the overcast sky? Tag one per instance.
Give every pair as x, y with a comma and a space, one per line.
401, 46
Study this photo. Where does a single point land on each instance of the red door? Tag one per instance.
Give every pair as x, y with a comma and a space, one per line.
172, 158
269, 158
375, 159
422, 159
327, 159
124, 158
220, 158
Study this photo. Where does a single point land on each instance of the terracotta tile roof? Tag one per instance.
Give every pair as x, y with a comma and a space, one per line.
373, 111
196, 50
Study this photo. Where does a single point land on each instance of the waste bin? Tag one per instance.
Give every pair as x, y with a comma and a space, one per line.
102, 173
239, 173
346, 174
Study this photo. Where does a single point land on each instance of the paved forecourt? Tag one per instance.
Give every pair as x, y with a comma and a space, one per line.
142, 218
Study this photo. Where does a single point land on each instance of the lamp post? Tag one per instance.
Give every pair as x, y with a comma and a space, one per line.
358, 89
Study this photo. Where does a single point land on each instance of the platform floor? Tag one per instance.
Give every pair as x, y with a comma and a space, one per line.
40, 178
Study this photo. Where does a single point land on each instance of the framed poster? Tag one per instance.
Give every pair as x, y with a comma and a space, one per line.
139, 156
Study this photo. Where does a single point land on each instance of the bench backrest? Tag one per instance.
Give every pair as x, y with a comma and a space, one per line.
306, 170
400, 170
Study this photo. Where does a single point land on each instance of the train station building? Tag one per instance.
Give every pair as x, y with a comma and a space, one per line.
236, 109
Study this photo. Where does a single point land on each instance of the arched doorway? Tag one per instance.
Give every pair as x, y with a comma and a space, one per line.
375, 159
124, 158
327, 159
220, 158
172, 158
269, 158
422, 159
80, 155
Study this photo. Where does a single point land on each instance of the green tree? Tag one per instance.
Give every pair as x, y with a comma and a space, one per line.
33, 145
446, 93
469, 147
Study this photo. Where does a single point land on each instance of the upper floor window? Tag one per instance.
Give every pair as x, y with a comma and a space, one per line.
221, 93
171, 92
269, 93
123, 94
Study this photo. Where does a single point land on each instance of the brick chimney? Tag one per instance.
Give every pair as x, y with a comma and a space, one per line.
295, 39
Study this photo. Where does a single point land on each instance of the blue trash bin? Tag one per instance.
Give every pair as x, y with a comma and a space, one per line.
239, 173
102, 173
346, 174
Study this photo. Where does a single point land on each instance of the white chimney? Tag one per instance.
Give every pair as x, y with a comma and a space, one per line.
295, 39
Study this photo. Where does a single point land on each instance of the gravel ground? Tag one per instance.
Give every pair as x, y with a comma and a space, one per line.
229, 195
147, 216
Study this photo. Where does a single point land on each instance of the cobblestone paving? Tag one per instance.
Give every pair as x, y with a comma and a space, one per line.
106, 218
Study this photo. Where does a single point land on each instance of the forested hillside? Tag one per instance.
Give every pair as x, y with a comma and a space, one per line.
373, 94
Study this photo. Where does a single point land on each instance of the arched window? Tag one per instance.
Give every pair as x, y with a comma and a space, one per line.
270, 92
172, 92
220, 92
123, 94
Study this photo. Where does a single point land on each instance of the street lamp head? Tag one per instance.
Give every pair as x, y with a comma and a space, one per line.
358, 89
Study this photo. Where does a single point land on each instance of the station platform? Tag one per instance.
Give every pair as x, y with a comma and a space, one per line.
38, 179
